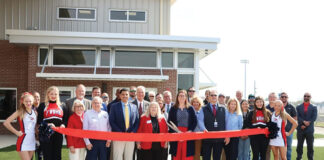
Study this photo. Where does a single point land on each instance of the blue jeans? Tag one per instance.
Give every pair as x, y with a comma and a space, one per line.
244, 149
289, 143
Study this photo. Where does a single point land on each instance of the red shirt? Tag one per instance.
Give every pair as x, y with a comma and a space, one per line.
306, 104
75, 122
146, 127
259, 116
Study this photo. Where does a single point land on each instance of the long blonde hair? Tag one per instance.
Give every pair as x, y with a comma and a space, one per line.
238, 110
198, 99
22, 108
148, 113
282, 112
53, 88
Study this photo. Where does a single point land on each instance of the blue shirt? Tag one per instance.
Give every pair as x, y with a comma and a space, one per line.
233, 121
200, 117
129, 109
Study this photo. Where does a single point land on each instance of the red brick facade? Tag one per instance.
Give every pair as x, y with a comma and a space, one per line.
19, 67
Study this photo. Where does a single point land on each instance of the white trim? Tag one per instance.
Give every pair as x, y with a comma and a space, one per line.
76, 14
127, 17
4, 88
138, 50
108, 77
196, 75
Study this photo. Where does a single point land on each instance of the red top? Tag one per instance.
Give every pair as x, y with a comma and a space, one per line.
259, 116
75, 122
306, 104
53, 110
146, 127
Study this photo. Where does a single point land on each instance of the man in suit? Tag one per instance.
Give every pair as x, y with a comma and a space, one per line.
141, 106
167, 96
213, 120
191, 92
80, 93
306, 116
123, 117
132, 94
117, 99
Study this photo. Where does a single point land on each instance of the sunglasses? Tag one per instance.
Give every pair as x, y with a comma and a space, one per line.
191, 91
283, 97
307, 96
132, 90
151, 96
104, 97
213, 95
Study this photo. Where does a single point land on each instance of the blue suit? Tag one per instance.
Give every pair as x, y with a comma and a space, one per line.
117, 119
308, 132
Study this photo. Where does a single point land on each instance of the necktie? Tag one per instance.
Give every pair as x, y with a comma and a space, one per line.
168, 108
126, 117
140, 110
214, 110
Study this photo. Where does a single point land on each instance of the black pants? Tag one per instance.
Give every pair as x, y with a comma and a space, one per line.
38, 153
152, 154
164, 154
231, 149
208, 147
259, 145
301, 136
52, 149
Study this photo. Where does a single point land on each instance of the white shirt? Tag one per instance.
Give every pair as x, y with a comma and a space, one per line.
95, 121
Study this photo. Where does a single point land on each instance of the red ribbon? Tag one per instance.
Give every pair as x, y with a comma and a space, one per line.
160, 137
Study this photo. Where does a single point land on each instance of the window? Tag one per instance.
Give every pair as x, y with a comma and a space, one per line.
74, 57
135, 58
167, 59
69, 92
8, 102
42, 55
77, 13
127, 16
105, 58
185, 81
185, 60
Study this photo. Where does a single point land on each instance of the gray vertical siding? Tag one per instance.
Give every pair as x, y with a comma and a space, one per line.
42, 15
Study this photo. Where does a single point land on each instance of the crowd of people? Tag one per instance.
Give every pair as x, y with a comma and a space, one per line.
135, 111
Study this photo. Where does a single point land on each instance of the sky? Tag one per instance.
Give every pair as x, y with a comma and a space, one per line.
282, 39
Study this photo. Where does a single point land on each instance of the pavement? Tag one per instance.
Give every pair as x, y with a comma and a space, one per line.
8, 140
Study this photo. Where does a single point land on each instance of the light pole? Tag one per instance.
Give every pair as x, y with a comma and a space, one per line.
245, 61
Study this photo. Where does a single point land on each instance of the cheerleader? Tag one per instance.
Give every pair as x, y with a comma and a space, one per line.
51, 113
279, 144
26, 117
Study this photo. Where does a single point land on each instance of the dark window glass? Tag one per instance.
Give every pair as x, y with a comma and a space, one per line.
42, 56
64, 95
88, 95
118, 15
136, 16
86, 14
135, 58
67, 13
105, 58
185, 81
167, 59
8, 99
73, 57
185, 60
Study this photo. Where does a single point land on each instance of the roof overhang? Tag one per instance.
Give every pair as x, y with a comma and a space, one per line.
108, 77
111, 39
206, 85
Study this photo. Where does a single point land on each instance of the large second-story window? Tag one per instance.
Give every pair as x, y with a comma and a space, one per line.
105, 58
185, 60
167, 59
185, 81
76, 13
127, 16
135, 58
74, 57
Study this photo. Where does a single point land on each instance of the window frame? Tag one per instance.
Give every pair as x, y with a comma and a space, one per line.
136, 50
38, 56
177, 62
74, 48
77, 14
173, 59
15, 89
127, 20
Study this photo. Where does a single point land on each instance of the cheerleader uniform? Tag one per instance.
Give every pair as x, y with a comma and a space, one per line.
280, 140
27, 141
52, 113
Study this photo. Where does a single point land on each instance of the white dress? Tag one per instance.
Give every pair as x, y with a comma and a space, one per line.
279, 140
27, 141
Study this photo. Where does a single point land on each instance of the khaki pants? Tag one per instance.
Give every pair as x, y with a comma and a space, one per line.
123, 150
197, 150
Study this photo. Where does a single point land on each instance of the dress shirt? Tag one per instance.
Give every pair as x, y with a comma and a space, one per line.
200, 117
167, 107
95, 121
233, 121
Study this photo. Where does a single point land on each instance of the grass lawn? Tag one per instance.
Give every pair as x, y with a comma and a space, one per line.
9, 153
319, 124
315, 135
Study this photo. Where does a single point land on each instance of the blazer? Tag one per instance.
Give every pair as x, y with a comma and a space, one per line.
146, 127
145, 105
310, 115
75, 123
191, 127
117, 119
69, 103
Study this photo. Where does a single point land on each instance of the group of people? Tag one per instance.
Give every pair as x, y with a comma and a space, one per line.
134, 112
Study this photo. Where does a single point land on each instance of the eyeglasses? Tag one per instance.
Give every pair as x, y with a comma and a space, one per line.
132, 90
307, 96
151, 96
104, 97
284, 97
191, 91
213, 95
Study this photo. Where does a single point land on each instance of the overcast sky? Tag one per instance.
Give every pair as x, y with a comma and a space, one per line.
282, 39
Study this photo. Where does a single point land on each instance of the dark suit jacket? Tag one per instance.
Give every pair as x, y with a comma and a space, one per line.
310, 115
172, 103
144, 107
117, 119
191, 126
69, 103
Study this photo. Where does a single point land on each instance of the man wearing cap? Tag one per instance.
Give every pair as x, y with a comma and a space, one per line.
132, 94
221, 100
251, 102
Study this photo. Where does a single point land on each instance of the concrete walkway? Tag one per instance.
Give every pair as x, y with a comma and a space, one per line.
8, 140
